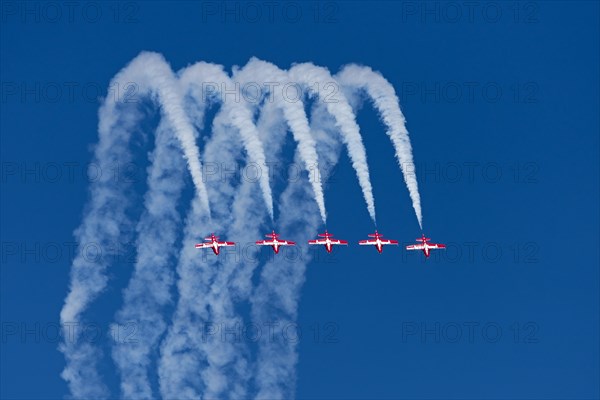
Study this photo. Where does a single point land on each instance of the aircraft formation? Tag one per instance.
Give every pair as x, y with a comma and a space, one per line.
327, 240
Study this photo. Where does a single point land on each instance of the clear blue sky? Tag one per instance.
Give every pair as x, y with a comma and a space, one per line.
505, 95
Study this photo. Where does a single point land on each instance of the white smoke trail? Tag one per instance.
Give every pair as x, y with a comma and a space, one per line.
211, 303
213, 80
106, 218
293, 109
206, 296
179, 361
102, 225
246, 224
384, 97
276, 298
148, 291
181, 355
193, 362
227, 371
149, 72
170, 96
309, 75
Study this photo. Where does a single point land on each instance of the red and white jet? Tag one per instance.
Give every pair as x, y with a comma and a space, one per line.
425, 246
328, 241
378, 242
275, 243
213, 243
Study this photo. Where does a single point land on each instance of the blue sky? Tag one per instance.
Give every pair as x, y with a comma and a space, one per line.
502, 107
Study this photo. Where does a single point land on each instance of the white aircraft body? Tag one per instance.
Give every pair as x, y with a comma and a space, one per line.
275, 242
378, 241
213, 243
328, 241
425, 246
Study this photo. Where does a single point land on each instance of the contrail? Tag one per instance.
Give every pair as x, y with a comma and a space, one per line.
183, 350
148, 292
293, 109
246, 225
179, 359
384, 97
308, 75
197, 358
163, 81
224, 368
276, 298
102, 226
208, 288
213, 80
106, 218
278, 293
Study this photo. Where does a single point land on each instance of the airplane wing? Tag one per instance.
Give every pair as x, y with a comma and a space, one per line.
388, 241
436, 246
415, 247
225, 244
265, 242
203, 245
336, 241
366, 242
317, 241
287, 243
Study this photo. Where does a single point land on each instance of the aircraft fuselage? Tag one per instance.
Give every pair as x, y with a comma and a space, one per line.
275, 247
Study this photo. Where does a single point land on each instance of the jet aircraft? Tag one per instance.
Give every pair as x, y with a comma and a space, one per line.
425, 246
378, 241
328, 241
213, 243
275, 242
